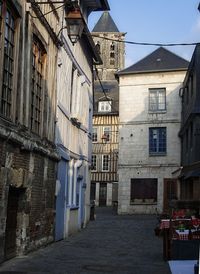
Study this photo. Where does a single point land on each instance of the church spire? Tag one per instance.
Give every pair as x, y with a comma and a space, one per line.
105, 24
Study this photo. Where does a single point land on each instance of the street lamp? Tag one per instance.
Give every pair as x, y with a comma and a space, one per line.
75, 24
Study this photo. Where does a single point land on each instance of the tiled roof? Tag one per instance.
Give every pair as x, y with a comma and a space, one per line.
105, 24
159, 60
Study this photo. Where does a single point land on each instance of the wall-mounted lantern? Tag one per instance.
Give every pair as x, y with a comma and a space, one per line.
75, 24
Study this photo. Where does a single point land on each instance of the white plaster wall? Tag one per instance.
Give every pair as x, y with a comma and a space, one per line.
135, 121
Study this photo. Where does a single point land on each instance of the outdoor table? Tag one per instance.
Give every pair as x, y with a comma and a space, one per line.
183, 235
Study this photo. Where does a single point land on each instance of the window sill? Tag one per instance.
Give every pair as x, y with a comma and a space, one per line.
74, 207
157, 154
157, 111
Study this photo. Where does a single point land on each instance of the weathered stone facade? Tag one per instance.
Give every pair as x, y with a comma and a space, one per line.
142, 171
28, 159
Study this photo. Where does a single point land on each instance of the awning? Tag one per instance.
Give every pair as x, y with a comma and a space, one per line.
190, 174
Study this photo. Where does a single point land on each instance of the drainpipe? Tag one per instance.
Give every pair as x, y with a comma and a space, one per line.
71, 165
77, 165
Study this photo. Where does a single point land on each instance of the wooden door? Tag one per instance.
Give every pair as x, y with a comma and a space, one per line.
170, 192
102, 194
11, 223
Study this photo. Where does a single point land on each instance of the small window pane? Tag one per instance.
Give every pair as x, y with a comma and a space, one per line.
106, 133
94, 135
8, 63
105, 106
94, 163
157, 99
37, 86
105, 163
157, 141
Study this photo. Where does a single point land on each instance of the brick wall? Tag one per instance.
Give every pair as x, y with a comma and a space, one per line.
36, 210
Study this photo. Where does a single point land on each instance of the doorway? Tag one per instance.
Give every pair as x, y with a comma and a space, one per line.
11, 223
102, 194
170, 192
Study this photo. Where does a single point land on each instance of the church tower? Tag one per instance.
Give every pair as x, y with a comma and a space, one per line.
104, 179
112, 52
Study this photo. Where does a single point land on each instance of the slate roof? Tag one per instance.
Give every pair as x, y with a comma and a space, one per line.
105, 24
159, 60
112, 92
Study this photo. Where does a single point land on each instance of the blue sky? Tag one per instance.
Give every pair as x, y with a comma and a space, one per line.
155, 21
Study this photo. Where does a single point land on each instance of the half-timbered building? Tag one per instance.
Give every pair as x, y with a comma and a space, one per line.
104, 178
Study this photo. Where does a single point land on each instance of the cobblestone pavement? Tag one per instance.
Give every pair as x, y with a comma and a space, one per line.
110, 244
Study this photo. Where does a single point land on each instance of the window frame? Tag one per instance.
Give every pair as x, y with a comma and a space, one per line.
95, 134
36, 101
107, 156
94, 166
102, 106
147, 194
157, 104
12, 59
107, 133
158, 145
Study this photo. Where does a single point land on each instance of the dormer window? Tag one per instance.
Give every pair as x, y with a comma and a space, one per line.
104, 106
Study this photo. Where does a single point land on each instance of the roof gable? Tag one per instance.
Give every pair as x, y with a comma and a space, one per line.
159, 60
105, 24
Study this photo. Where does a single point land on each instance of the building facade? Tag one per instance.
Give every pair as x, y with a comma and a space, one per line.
189, 133
28, 158
74, 125
104, 178
150, 117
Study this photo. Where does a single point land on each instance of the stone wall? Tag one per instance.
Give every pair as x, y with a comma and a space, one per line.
33, 176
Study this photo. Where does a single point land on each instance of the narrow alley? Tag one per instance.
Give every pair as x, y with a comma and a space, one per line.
110, 244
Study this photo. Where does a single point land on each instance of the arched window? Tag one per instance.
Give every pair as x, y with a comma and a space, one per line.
112, 47
98, 47
112, 54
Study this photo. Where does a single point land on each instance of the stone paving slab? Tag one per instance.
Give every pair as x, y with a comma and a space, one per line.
110, 244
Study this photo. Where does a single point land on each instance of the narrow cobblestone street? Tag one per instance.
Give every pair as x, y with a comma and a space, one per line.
110, 244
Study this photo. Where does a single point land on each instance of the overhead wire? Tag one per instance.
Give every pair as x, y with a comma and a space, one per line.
44, 14
146, 43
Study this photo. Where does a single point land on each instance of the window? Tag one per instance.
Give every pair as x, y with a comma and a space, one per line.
98, 47
94, 134
38, 60
112, 54
7, 30
157, 141
94, 162
104, 106
143, 190
106, 133
157, 99
112, 47
105, 162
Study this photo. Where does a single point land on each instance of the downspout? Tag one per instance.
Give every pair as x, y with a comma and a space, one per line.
71, 165
77, 165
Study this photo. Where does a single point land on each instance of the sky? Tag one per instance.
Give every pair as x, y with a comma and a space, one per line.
155, 21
